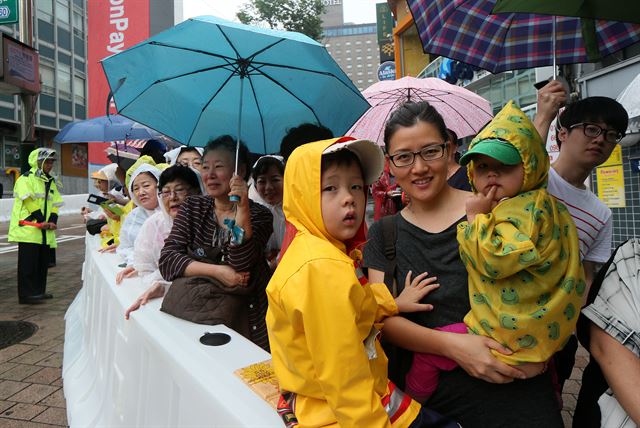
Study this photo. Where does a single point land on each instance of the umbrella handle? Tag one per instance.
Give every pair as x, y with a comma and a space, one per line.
235, 198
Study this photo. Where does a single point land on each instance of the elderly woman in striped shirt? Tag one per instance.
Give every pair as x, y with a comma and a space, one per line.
208, 222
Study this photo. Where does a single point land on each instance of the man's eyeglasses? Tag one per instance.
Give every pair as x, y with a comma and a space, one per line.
180, 193
428, 153
592, 130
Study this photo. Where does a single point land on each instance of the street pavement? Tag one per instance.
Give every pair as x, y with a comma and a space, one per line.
30, 372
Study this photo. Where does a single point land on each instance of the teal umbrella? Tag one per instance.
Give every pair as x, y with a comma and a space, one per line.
206, 77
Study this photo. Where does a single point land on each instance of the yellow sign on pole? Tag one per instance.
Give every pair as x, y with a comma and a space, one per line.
615, 158
611, 186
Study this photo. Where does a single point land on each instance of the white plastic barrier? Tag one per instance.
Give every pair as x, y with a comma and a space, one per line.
150, 370
72, 205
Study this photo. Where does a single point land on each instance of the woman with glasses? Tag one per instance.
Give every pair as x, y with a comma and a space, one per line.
176, 184
482, 391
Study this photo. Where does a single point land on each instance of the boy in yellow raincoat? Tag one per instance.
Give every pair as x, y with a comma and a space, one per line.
33, 224
520, 247
323, 317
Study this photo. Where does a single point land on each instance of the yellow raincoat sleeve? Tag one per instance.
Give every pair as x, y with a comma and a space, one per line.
495, 247
31, 205
56, 199
329, 311
387, 306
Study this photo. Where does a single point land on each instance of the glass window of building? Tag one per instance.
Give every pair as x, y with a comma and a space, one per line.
45, 31
48, 76
64, 39
44, 10
78, 90
78, 24
349, 66
49, 121
64, 81
78, 46
47, 102
62, 13
347, 43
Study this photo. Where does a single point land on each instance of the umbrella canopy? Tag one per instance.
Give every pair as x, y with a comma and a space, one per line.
206, 77
593, 9
466, 30
630, 100
464, 112
104, 129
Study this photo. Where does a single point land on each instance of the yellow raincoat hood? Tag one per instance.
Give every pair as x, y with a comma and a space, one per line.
320, 315
36, 199
526, 282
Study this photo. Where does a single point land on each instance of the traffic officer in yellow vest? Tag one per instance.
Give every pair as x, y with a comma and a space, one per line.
33, 224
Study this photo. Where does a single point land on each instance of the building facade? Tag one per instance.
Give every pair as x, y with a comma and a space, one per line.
353, 46
59, 36
62, 33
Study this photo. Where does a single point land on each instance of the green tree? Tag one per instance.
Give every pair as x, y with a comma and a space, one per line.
302, 16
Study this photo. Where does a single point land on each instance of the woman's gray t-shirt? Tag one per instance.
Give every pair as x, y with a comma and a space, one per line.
420, 251
470, 401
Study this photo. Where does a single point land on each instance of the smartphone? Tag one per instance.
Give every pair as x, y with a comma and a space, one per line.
541, 84
112, 208
98, 200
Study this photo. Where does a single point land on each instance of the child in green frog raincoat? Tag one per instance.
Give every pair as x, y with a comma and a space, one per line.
520, 247
37, 201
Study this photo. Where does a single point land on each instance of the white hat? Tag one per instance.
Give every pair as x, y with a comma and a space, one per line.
369, 153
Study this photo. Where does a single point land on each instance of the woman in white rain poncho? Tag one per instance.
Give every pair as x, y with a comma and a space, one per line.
176, 184
143, 189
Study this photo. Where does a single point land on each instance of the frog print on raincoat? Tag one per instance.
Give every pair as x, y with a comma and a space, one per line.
525, 274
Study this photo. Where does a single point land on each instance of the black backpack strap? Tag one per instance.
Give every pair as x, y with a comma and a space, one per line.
389, 236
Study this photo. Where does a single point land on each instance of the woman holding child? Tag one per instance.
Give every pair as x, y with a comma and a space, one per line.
203, 227
483, 390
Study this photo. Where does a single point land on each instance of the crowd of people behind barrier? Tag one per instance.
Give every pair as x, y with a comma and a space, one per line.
477, 293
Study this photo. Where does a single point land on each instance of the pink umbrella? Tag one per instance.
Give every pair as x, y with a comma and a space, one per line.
464, 112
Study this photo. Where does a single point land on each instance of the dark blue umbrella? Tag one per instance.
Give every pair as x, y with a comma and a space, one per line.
104, 129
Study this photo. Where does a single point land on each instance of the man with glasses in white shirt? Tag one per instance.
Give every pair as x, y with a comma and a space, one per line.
587, 132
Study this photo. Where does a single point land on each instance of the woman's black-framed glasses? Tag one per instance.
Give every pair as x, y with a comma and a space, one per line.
592, 130
180, 193
427, 153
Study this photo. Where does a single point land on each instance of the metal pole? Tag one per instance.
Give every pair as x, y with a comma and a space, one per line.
27, 122
553, 46
236, 198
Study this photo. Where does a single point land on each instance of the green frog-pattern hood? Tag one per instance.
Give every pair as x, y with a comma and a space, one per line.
514, 127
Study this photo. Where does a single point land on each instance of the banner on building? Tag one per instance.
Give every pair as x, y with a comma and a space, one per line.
384, 21
115, 25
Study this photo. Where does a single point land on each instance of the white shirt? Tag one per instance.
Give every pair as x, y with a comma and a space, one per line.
591, 216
